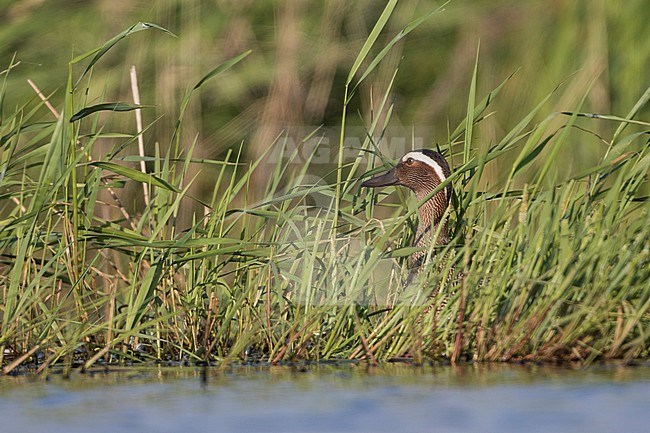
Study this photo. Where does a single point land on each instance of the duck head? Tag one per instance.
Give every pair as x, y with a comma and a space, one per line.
422, 171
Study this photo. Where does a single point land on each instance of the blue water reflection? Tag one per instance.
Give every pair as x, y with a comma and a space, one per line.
333, 399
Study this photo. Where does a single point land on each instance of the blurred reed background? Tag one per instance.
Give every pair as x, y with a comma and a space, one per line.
302, 51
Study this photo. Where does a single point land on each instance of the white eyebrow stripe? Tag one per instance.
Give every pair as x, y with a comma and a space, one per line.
419, 156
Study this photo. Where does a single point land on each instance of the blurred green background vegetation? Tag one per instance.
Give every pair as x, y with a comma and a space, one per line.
302, 51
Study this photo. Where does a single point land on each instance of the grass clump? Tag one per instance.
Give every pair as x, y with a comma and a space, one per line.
556, 265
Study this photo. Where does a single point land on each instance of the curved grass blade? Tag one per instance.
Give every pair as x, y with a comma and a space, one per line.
372, 38
606, 117
135, 175
107, 106
99, 52
222, 68
637, 107
398, 37
216, 71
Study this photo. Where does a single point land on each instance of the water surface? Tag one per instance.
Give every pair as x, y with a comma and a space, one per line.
353, 398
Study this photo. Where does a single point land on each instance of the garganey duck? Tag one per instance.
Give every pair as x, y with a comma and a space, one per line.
422, 171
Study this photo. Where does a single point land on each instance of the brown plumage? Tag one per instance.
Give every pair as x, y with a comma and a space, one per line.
422, 171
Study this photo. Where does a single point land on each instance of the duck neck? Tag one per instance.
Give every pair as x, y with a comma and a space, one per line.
430, 222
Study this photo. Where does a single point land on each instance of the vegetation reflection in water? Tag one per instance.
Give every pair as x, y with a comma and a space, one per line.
347, 397
473, 374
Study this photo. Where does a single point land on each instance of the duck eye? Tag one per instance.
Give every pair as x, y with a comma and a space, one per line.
409, 161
